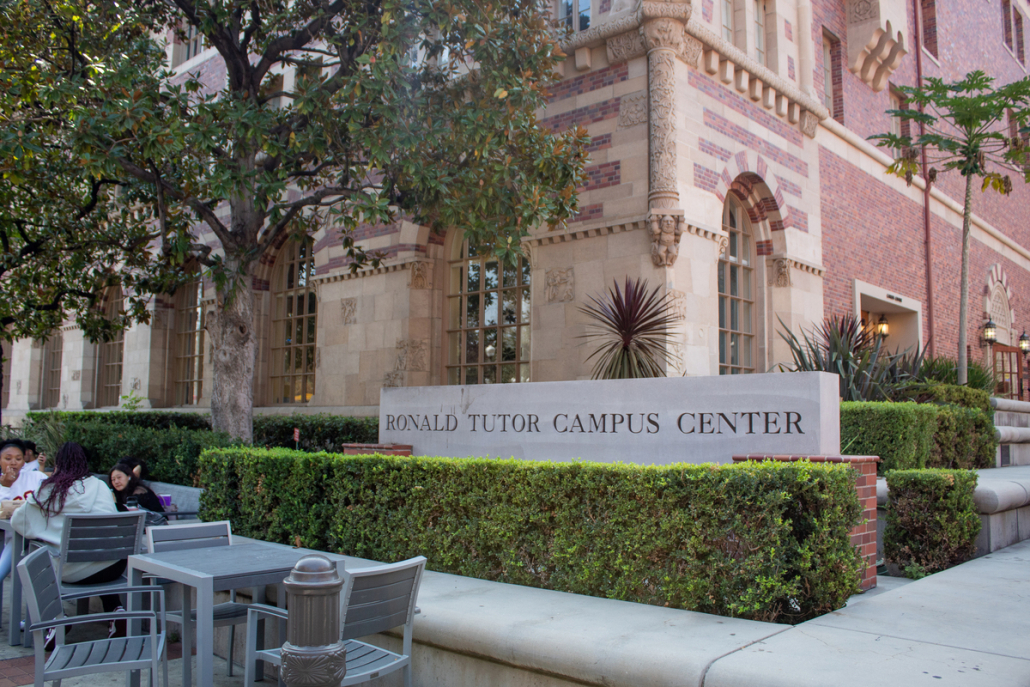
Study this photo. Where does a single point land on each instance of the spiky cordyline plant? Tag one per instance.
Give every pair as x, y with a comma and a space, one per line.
632, 325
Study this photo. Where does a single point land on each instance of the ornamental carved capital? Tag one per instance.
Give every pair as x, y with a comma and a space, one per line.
625, 46
668, 8
663, 34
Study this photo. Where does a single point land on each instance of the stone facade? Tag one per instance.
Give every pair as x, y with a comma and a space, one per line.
683, 123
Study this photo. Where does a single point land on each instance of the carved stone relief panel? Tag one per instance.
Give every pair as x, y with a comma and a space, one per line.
76, 375
677, 303
419, 275
809, 123
412, 354
666, 231
136, 384
349, 310
560, 285
633, 110
393, 379
779, 275
691, 51
625, 46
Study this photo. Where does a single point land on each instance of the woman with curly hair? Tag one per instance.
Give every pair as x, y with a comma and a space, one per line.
71, 490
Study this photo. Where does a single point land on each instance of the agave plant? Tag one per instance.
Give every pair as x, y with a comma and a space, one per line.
632, 326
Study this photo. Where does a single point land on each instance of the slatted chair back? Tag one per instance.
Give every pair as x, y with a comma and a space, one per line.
39, 580
192, 536
108, 537
381, 598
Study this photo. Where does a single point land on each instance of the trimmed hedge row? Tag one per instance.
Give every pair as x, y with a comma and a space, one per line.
171, 454
317, 432
901, 434
767, 541
912, 436
932, 521
950, 394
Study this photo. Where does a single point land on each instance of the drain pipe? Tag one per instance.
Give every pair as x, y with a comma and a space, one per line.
926, 186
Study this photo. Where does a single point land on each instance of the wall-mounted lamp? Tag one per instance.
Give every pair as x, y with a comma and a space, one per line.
1024, 343
989, 335
882, 329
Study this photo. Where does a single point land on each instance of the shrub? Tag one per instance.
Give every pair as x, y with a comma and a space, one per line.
964, 439
170, 454
949, 394
154, 419
768, 541
901, 434
317, 432
944, 370
932, 521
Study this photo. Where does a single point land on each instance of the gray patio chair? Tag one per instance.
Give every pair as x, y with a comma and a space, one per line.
200, 536
373, 600
39, 580
91, 538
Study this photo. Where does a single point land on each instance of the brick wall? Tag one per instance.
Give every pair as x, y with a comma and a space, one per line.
863, 537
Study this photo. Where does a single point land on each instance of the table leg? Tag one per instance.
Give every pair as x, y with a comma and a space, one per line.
135, 578
205, 634
187, 636
14, 633
257, 595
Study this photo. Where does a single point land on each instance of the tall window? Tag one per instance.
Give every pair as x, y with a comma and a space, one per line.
1020, 52
833, 77
1006, 22
898, 127
727, 21
760, 31
574, 14
294, 312
189, 343
52, 354
488, 325
929, 8
736, 298
109, 367
194, 43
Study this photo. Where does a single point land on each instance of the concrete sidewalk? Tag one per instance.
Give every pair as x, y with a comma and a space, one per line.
968, 626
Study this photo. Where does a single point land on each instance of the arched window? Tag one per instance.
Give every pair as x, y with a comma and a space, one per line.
109, 367
52, 360
736, 294
189, 343
1001, 314
488, 319
294, 309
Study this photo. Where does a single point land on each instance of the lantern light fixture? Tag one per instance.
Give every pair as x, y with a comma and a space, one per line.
882, 329
990, 333
1024, 343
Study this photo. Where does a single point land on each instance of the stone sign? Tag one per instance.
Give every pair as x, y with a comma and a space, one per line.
645, 421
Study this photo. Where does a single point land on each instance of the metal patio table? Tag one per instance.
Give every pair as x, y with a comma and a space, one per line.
252, 564
14, 630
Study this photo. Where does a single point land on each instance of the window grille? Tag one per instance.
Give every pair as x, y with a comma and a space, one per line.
736, 297
189, 343
294, 320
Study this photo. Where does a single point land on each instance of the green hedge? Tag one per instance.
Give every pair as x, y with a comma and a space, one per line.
764, 541
317, 432
153, 419
950, 394
171, 455
932, 521
964, 439
901, 434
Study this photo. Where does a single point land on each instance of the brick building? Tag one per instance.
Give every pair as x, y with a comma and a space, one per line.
729, 164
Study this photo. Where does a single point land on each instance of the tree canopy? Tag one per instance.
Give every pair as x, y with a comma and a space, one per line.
974, 128
330, 114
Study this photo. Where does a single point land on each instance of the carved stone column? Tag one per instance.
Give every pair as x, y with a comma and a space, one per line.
664, 40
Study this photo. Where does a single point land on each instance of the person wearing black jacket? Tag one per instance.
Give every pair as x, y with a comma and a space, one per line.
129, 490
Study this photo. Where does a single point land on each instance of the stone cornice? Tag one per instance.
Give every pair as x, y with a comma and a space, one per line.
347, 274
733, 54
590, 231
801, 265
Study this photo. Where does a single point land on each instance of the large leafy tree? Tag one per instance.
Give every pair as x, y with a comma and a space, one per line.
416, 108
965, 126
66, 237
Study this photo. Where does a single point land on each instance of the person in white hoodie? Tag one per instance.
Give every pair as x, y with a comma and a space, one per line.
71, 490
16, 484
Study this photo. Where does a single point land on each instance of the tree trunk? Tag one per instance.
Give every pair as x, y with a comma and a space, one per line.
234, 358
2, 381
963, 302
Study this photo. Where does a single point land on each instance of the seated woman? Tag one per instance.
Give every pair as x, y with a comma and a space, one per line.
16, 483
129, 490
72, 490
